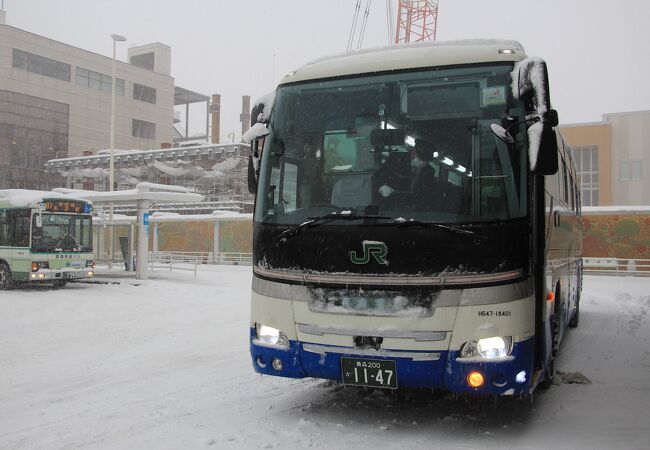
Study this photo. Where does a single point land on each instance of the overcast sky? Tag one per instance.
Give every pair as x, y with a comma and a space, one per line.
597, 50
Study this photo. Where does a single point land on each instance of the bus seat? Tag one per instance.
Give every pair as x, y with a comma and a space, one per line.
352, 191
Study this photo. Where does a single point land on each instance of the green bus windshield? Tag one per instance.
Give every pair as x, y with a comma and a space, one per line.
62, 233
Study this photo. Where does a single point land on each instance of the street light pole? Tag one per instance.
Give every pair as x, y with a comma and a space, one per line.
111, 176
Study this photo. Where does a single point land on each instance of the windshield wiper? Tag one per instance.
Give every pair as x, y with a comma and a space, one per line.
346, 214
419, 223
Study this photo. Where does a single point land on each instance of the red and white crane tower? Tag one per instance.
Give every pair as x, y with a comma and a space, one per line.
417, 21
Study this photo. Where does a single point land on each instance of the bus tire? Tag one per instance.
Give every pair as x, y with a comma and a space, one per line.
573, 323
5, 276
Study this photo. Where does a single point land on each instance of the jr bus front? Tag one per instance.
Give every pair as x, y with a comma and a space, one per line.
364, 276
44, 239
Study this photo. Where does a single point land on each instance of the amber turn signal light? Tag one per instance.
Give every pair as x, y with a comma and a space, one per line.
475, 379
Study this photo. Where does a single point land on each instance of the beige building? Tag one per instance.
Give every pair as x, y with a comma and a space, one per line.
612, 159
631, 157
55, 101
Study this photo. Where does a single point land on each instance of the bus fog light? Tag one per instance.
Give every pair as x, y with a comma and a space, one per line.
521, 377
276, 364
475, 379
270, 335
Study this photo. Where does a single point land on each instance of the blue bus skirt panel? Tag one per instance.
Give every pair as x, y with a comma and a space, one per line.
444, 373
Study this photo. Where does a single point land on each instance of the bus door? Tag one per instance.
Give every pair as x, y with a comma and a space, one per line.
19, 226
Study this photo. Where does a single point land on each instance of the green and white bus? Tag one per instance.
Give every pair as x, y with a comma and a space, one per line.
45, 237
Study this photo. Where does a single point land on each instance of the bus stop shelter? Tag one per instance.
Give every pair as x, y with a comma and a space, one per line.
143, 196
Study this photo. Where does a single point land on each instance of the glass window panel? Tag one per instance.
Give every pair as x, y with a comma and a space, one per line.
586, 195
119, 86
594, 160
106, 85
594, 198
41, 65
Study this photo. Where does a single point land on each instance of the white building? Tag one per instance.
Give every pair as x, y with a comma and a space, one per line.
55, 102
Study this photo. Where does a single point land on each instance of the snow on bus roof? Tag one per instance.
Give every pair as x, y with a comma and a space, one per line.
25, 198
411, 55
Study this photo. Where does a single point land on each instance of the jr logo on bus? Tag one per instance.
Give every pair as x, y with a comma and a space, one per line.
371, 249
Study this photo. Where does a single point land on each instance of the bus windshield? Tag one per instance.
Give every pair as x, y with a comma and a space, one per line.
62, 233
411, 145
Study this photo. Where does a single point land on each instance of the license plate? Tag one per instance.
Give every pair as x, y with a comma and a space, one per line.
369, 372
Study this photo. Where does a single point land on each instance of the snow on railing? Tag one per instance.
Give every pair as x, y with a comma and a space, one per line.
616, 266
191, 260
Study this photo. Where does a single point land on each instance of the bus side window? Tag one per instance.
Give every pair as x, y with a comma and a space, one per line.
4, 228
563, 180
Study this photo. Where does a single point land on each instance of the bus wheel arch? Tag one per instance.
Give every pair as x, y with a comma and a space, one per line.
5, 275
549, 370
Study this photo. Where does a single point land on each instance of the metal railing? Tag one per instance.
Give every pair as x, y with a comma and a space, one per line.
191, 260
616, 266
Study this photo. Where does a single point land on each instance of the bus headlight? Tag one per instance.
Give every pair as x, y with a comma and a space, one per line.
270, 335
488, 348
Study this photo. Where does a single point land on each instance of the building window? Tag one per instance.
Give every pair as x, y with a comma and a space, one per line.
41, 65
587, 166
144, 93
144, 61
99, 81
143, 129
630, 170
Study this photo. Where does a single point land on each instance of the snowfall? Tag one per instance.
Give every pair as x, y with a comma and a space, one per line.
164, 364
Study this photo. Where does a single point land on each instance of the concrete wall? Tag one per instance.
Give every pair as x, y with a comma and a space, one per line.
89, 127
616, 235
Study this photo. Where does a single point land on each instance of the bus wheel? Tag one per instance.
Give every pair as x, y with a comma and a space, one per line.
5, 276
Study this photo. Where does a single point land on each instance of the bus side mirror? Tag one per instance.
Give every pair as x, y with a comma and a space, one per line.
547, 160
255, 135
533, 89
252, 175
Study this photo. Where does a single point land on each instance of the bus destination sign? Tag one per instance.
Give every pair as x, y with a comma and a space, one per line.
69, 206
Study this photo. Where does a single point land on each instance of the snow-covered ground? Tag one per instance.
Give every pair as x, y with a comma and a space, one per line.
165, 365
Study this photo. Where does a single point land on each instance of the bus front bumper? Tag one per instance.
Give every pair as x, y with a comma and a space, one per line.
61, 274
431, 370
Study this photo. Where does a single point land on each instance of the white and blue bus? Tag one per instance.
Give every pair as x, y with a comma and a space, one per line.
45, 237
417, 222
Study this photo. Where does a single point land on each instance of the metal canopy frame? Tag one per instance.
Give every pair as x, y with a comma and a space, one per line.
186, 97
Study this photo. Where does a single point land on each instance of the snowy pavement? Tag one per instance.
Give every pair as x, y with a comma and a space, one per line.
165, 365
